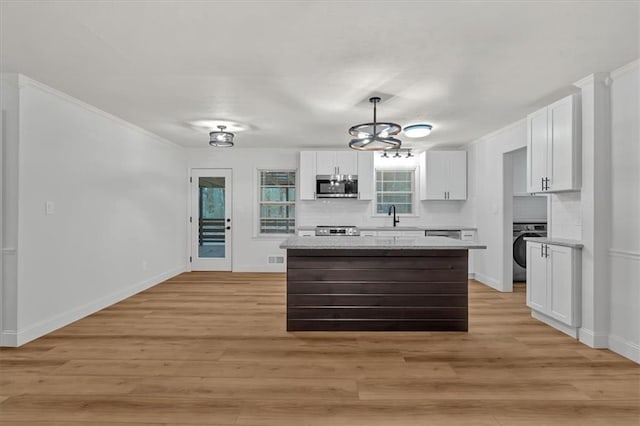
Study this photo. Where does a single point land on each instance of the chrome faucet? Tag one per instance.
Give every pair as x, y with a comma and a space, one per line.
396, 219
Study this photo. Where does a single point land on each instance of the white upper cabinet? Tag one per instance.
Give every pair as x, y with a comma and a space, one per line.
313, 163
336, 162
443, 175
553, 147
307, 175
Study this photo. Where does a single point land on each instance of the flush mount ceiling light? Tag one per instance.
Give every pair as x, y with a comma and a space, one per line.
417, 130
375, 136
220, 138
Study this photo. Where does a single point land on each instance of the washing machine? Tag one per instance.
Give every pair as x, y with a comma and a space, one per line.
520, 231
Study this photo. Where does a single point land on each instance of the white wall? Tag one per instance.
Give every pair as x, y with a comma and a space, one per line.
250, 252
120, 211
486, 182
624, 254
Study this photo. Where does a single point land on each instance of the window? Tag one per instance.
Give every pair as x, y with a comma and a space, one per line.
394, 187
277, 203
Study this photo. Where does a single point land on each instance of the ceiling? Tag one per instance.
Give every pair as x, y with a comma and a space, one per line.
299, 74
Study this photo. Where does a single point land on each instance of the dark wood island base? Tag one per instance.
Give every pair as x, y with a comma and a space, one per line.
377, 290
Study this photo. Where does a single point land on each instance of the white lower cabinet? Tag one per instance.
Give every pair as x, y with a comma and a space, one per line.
553, 284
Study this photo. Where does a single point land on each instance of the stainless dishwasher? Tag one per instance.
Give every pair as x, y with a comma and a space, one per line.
456, 234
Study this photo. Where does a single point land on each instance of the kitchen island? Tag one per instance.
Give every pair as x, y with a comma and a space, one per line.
377, 283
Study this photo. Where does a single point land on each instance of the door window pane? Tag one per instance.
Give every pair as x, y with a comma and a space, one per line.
211, 220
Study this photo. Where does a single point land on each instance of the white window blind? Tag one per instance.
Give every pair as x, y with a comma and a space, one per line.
394, 187
277, 204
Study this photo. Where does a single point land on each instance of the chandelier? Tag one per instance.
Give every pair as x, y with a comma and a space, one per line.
220, 138
375, 136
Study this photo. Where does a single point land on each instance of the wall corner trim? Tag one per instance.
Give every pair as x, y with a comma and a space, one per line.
592, 339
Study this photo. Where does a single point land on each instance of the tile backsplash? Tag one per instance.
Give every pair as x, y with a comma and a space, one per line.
360, 213
566, 215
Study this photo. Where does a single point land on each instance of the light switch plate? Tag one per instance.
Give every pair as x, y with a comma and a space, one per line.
49, 207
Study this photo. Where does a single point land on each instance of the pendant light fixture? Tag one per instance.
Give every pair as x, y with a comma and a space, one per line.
375, 136
220, 138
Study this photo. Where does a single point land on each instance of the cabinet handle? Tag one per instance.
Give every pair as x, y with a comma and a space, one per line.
542, 184
546, 184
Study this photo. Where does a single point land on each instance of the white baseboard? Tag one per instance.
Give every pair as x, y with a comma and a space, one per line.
594, 340
472, 275
487, 280
568, 330
278, 267
20, 337
626, 348
9, 338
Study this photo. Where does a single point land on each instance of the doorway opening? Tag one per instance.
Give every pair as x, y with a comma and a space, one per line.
525, 216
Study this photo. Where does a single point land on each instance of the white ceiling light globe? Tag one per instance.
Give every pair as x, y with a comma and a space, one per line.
417, 130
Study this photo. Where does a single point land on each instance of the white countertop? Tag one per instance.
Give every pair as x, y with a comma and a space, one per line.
384, 243
555, 241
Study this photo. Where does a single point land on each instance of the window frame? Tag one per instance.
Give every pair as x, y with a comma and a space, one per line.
260, 203
414, 190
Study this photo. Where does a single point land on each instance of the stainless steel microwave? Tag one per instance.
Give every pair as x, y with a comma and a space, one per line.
329, 187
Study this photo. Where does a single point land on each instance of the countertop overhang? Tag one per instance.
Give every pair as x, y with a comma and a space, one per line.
379, 243
403, 228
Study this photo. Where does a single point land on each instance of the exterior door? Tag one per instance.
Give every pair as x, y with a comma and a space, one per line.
211, 219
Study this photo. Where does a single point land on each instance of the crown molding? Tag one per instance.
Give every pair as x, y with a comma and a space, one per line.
25, 81
630, 67
496, 132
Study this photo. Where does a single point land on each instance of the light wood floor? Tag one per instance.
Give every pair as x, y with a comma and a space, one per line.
211, 349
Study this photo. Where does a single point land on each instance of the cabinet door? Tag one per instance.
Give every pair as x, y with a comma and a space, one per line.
436, 175
347, 162
366, 177
457, 175
307, 175
325, 162
537, 154
561, 284
536, 277
561, 166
